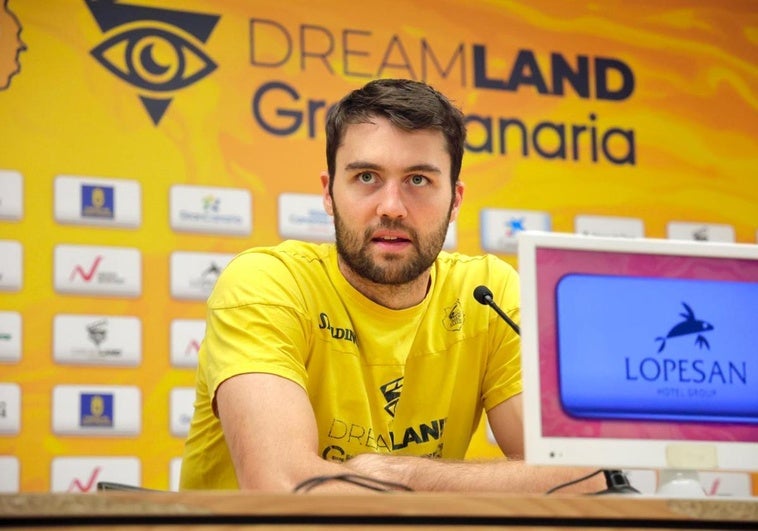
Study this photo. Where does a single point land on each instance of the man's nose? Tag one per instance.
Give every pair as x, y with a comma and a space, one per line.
391, 203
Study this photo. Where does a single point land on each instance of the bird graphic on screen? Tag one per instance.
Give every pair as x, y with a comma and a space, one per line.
690, 325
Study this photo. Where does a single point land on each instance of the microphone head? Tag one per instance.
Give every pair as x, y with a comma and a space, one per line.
483, 295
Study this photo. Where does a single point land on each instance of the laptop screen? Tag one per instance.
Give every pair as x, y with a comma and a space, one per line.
639, 339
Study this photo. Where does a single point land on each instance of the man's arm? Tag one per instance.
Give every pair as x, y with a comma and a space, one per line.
497, 475
270, 430
271, 433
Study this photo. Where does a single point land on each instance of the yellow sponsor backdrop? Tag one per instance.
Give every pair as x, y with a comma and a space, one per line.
691, 113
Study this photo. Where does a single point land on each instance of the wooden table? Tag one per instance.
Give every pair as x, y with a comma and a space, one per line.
218, 510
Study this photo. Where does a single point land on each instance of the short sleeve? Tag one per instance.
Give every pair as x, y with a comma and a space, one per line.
256, 322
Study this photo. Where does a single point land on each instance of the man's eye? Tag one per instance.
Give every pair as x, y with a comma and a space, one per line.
366, 177
418, 180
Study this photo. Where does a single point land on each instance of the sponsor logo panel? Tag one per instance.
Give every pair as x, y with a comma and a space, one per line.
11, 195
82, 474
9, 474
211, 210
11, 265
700, 232
722, 484
97, 410
737, 484
97, 340
10, 336
186, 336
451, 238
10, 409
500, 227
181, 407
609, 226
98, 201
174, 473
302, 216
92, 270
193, 275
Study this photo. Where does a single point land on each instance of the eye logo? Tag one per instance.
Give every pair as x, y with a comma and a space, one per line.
158, 51
690, 325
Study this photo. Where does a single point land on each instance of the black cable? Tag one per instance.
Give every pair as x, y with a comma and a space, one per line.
574, 481
361, 481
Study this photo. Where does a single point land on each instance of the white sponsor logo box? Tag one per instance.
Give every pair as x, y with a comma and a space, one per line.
174, 473
211, 210
97, 340
451, 238
302, 216
92, 270
181, 407
10, 336
9, 474
97, 410
706, 232
186, 336
726, 484
11, 195
10, 408
193, 275
82, 474
737, 484
644, 481
609, 226
11, 265
500, 227
86, 200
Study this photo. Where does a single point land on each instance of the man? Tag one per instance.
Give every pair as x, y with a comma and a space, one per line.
369, 357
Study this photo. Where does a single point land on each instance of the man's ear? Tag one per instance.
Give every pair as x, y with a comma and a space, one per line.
457, 199
326, 197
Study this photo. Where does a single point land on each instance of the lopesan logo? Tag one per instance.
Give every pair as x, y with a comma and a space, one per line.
690, 325
685, 368
158, 53
345, 334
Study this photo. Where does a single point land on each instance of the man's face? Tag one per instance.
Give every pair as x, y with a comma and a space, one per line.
391, 200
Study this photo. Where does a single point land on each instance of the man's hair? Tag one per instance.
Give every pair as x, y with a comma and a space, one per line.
409, 105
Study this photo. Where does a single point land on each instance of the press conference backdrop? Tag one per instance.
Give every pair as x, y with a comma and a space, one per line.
144, 143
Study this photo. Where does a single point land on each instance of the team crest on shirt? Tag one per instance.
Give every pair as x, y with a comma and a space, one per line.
453, 318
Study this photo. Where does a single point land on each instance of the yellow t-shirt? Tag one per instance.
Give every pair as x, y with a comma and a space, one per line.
407, 382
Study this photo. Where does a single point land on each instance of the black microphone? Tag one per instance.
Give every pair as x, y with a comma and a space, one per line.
483, 295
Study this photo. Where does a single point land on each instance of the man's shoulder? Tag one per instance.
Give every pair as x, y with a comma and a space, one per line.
264, 273
290, 252
459, 263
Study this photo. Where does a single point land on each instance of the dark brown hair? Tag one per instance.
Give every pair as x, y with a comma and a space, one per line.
407, 104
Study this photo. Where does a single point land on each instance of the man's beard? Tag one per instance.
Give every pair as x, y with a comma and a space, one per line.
355, 254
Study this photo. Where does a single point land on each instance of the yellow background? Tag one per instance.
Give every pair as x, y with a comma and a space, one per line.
693, 113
